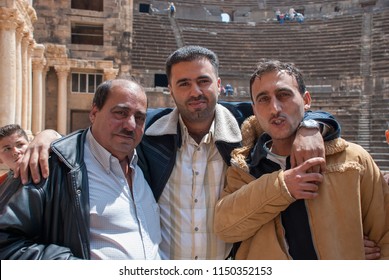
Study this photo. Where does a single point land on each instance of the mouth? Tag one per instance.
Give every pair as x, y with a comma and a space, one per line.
277, 121
197, 104
126, 136
18, 158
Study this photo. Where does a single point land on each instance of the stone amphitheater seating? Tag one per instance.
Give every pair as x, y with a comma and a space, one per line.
380, 36
324, 43
153, 41
324, 49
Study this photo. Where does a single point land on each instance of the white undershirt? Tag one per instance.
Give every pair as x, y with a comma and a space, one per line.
281, 160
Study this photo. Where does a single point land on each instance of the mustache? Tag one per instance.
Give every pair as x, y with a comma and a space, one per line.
128, 133
198, 98
277, 116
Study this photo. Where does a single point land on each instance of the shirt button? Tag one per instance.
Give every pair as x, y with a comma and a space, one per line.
196, 173
196, 257
196, 229
195, 200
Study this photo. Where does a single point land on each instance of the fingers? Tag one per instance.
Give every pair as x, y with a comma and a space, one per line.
44, 163
29, 163
372, 251
34, 166
301, 183
307, 191
308, 165
35, 159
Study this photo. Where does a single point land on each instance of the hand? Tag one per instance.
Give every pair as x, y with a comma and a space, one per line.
372, 251
36, 157
386, 177
301, 183
307, 144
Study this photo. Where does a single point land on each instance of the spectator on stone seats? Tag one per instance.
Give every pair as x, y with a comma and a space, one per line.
228, 90
172, 9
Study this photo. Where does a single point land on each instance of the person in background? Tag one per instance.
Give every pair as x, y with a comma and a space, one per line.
278, 13
13, 143
278, 211
229, 90
95, 204
172, 9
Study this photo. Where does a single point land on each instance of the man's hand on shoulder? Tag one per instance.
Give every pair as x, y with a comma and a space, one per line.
307, 144
36, 157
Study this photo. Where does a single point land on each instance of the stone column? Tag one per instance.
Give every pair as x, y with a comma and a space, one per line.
24, 105
8, 25
62, 73
30, 50
110, 74
38, 64
44, 75
19, 74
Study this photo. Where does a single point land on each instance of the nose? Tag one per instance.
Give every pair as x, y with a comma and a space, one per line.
130, 123
15, 152
275, 106
196, 90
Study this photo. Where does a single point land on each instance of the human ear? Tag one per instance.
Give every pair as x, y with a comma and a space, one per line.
307, 100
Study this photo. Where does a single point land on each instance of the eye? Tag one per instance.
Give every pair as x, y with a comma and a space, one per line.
263, 99
204, 81
20, 145
140, 119
183, 84
120, 113
284, 94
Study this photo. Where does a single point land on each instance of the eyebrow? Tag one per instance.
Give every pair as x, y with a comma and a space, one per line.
261, 93
120, 106
5, 146
182, 80
198, 78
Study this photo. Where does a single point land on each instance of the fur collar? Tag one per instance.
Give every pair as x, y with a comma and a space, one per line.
226, 126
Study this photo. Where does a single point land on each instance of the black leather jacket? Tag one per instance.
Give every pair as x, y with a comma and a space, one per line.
51, 220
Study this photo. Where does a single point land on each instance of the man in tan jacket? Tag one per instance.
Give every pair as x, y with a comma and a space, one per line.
279, 212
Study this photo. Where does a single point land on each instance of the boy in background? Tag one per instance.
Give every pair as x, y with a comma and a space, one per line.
13, 144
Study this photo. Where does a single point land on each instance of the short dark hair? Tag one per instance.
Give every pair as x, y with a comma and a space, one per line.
11, 129
190, 53
265, 66
104, 89
101, 94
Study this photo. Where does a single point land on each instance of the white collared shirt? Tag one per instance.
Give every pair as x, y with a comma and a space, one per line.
122, 225
187, 202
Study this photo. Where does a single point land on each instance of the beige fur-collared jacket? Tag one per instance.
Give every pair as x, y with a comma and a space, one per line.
353, 200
